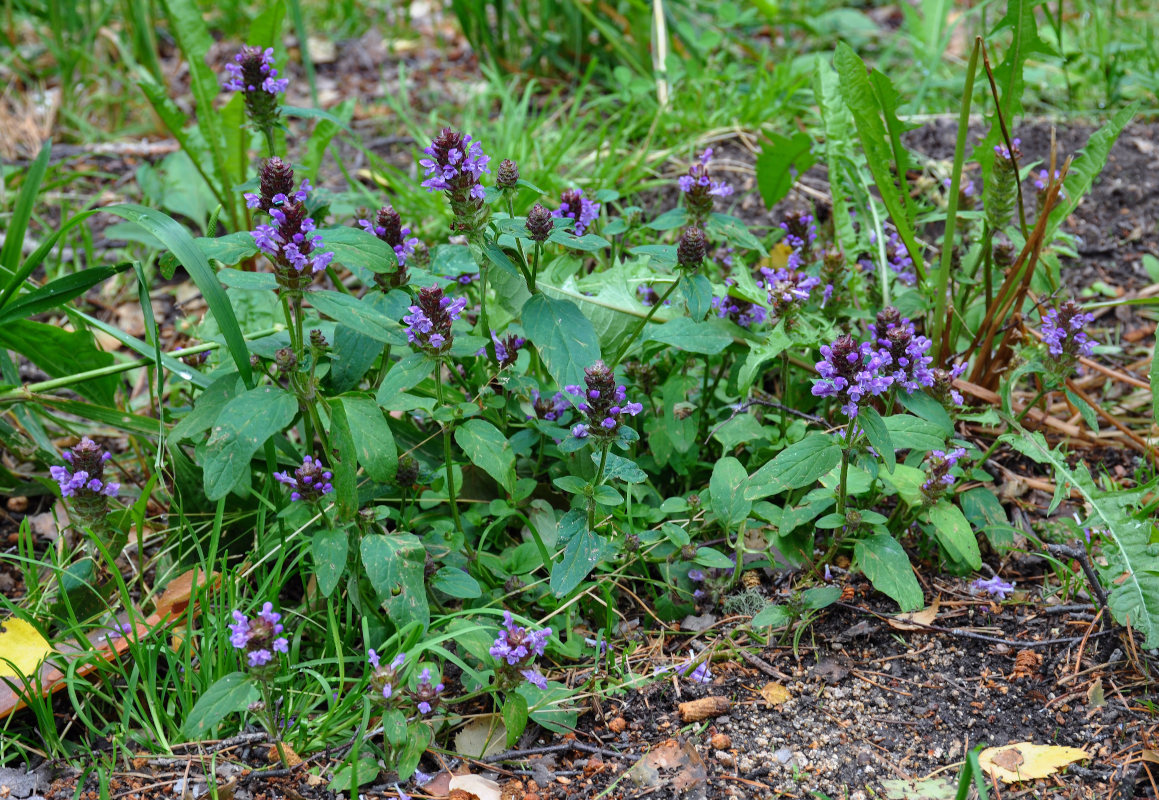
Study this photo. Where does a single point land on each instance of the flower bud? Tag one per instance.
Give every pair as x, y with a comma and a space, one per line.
690, 252
507, 175
539, 223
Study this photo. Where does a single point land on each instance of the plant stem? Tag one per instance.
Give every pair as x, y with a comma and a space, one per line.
844, 466
535, 266
595, 483
1021, 416
447, 453
647, 317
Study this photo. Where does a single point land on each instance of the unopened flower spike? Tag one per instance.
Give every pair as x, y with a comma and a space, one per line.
83, 483
309, 482
252, 72
701, 190
388, 227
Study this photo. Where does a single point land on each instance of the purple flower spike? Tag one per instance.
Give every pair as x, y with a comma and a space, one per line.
252, 73
455, 165
604, 402
1064, 335
852, 372
698, 674
429, 322
259, 638
701, 190
938, 476
573, 205
309, 482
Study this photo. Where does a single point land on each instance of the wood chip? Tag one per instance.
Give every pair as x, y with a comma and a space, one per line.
705, 707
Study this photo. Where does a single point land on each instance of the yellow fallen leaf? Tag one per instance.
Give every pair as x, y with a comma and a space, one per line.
915, 620
23, 648
774, 693
1024, 761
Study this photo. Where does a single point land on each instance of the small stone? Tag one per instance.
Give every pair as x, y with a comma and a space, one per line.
721, 741
725, 759
618, 725
18, 504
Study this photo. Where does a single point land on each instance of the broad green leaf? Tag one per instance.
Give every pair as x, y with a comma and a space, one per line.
329, 548
985, 512
553, 707
373, 440
242, 427
488, 449
713, 559
887, 566
353, 354
820, 597
726, 491
207, 408
922, 405
772, 616
248, 281
233, 692
797, 465
697, 293
585, 549
951, 528
364, 315
781, 159
871, 422
514, 717
394, 564
61, 353
233, 248
355, 247
776, 342
910, 433
708, 338
418, 740
343, 462
564, 337
620, 468
457, 583
908, 483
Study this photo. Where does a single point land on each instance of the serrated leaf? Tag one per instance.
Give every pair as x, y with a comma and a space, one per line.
775, 342
1131, 572
621, 468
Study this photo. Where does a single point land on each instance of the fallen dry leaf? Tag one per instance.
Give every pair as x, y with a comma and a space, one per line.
915, 620
774, 693
676, 763
482, 737
1024, 761
477, 785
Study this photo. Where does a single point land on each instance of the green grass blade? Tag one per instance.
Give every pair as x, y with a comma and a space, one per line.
37, 256
22, 211
182, 245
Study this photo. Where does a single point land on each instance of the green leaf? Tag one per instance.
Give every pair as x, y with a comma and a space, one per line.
208, 408
406, 374
781, 158
329, 549
670, 219
324, 131
514, 717
488, 449
1131, 573
713, 558
233, 692
862, 100
182, 245
365, 315
929, 409
585, 549
58, 292
871, 422
61, 353
355, 247
707, 338
775, 342
697, 293
233, 248
418, 740
17, 223
564, 337
344, 462
248, 281
620, 468
353, 354
394, 564
986, 514
242, 427
820, 597
457, 583
908, 483
951, 528
571, 484
607, 495
1025, 42
373, 440
839, 158
910, 433
772, 616
551, 707
726, 492
797, 465
357, 773
887, 566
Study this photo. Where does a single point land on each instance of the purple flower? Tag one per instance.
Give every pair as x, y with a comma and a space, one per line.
426, 693
252, 73
506, 348
788, 289
852, 372
84, 478
1004, 153
309, 482
260, 637
695, 575
909, 361
429, 322
455, 165
938, 475
701, 190
995, 587
573, 205
1062, 331
534, 678
603, 401
800, 231
388, 227
699, 673
549, 408
742, 312
518, 645
290, 243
